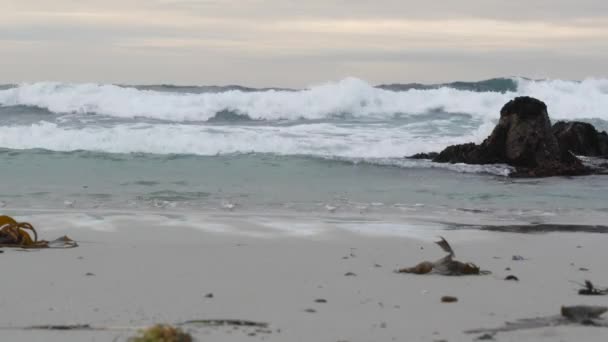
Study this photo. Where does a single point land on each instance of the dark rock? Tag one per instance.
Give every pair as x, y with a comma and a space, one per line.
350, 274
430, 155
523, 138
321, 300
580, 138
512, 277
209, 295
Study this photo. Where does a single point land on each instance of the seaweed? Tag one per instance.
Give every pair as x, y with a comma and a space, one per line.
15, 234
446, 265
590, 290
162, 333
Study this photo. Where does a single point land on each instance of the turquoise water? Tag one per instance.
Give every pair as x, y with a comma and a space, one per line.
254, 182
333, 149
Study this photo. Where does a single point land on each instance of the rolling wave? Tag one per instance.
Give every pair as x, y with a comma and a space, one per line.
319, 139
351, 98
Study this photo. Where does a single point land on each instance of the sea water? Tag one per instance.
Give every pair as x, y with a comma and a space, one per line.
330, 149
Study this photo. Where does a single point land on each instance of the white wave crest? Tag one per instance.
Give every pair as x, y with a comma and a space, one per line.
565, 99
323, 139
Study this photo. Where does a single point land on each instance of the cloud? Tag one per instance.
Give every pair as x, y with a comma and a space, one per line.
292, 43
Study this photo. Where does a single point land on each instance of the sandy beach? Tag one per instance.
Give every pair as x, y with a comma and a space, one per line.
135, 270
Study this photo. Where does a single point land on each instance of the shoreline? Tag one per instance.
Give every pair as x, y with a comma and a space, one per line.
414, 223
146, 271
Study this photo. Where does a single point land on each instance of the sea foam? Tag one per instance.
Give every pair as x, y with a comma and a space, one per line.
350, 97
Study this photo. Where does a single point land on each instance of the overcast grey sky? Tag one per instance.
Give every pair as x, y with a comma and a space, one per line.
298, 43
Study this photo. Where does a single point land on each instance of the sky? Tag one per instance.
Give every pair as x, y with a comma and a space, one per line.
287, 43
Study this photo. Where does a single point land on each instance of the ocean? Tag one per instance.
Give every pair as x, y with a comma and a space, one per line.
333, 149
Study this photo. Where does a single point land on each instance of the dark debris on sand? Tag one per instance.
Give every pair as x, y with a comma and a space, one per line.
586, 315
590, 290
534, 228
446, 265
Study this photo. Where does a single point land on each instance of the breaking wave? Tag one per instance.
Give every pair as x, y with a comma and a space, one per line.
352, 98
320, 139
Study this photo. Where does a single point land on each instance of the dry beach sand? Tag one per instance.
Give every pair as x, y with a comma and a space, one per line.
135, 270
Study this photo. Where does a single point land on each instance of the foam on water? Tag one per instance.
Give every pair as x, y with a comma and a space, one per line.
349, 120
322, 139
352, 97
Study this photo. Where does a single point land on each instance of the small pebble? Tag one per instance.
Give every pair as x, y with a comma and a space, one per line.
310, 310
89, 274
209, 295
377, 265
518, 258
508, 269
584, 269
350, 274
448, 299
512, 277
320, 300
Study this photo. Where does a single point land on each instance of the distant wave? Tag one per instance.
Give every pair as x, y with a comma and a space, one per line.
347, 98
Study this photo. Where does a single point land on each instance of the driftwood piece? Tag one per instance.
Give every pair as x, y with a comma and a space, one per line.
446, 265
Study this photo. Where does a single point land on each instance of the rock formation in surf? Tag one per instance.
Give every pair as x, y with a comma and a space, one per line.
525, 139
581, 138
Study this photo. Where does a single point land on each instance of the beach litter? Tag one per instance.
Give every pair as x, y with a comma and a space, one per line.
585, 315
15, 234
446, 265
